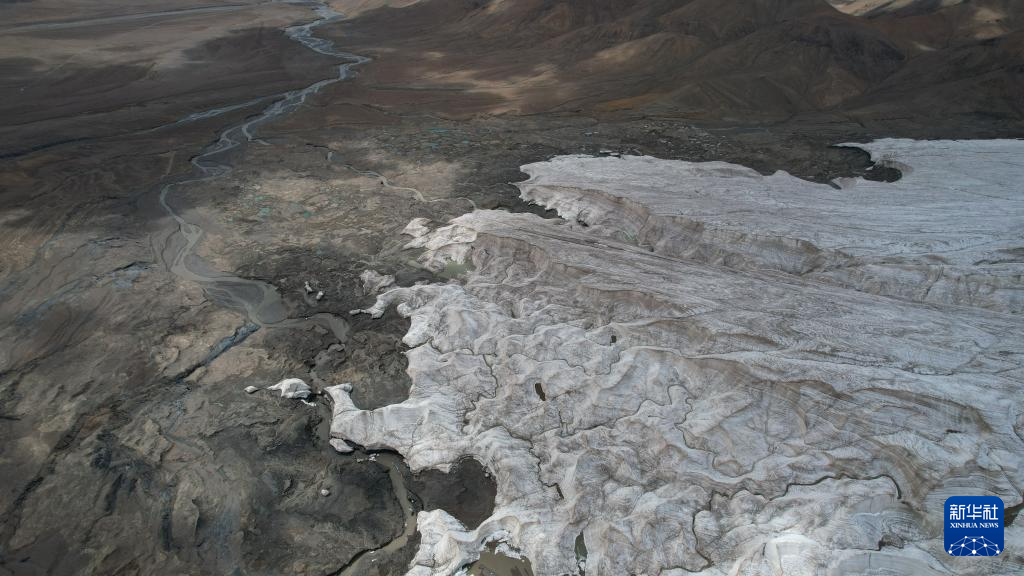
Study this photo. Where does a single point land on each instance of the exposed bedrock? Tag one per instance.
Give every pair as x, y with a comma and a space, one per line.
675, 415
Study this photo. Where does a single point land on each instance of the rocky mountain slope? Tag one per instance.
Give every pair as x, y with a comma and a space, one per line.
708, 59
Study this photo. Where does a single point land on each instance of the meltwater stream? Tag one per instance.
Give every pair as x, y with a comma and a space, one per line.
259, 301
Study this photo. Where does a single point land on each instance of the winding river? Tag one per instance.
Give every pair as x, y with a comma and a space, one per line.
259, 301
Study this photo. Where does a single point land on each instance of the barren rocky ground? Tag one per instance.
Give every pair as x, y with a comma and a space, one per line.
129, 445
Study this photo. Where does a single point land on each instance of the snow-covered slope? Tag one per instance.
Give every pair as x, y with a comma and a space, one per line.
865, 7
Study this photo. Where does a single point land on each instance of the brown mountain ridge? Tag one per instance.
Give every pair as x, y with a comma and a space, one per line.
709, 59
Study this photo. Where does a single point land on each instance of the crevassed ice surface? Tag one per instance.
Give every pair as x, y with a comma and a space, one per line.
951, 230
703, 369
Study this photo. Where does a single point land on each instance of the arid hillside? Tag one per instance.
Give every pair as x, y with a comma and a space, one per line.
706, 59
